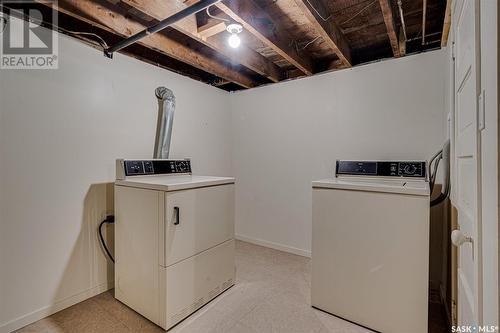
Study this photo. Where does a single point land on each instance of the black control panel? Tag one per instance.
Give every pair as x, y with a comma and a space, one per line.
386, 169
156, 167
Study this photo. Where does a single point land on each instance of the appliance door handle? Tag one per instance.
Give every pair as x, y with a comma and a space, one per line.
177, 218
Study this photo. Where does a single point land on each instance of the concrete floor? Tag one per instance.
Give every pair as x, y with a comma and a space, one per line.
271, 295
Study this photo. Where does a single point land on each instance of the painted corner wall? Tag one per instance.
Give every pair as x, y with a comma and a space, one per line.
60, 133
289, 134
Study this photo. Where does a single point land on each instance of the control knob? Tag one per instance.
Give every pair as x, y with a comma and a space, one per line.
182, 166
410, 169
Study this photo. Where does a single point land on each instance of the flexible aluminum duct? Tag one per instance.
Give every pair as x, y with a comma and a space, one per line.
166, 108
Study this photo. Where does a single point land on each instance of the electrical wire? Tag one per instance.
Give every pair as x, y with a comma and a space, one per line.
216, 17
359, 13
442, 155
443, 195
110, 220
418, 36
102, 41
435, 169
310, 42
432, 175
54, 27
317, 12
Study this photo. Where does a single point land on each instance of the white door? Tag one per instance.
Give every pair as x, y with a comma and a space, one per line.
196, 220
465, 20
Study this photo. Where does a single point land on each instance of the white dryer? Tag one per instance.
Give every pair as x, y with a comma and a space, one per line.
174, 238
370, 245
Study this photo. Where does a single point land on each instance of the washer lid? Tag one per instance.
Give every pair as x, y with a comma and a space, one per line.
173, 183
403, 186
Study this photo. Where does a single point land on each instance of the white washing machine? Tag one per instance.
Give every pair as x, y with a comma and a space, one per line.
174, 238
370, 245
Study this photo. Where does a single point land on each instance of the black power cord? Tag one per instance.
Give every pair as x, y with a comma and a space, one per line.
110, 219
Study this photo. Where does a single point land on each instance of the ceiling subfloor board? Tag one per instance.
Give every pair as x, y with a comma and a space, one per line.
323, 23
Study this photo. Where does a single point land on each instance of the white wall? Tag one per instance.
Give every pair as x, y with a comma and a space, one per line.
60, 133
288, 134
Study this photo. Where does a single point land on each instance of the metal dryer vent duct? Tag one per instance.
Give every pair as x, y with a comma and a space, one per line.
166, 108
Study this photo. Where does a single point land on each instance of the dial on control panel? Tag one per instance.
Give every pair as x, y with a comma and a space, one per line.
382, 168
156, 167
407, 169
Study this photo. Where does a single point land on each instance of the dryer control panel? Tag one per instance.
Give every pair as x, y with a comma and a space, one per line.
416, 169
153, 167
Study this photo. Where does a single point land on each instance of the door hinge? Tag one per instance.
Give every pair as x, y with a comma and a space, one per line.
481, 109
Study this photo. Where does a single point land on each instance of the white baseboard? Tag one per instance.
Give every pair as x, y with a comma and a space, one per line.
276, 246
46, 311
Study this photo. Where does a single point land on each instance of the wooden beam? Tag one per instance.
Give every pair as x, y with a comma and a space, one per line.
220, 83
386, 7
69, 23
115, 21
212, 28
446, 24
159, 9
253, 19
318, 15
190, 2
164, 9
402, 43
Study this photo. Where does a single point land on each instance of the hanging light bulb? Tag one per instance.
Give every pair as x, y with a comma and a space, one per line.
234, 29
234, 41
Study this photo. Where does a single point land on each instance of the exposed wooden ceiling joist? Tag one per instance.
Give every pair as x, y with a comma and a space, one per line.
115, 21
324, 25
402, 43
248, 14
159, 9
137, 51
386, 7
446, 24
212, 28
281, 39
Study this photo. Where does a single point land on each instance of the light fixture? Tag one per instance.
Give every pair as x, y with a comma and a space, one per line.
234, 29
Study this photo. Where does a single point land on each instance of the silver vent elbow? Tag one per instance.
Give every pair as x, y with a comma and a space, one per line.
166, 108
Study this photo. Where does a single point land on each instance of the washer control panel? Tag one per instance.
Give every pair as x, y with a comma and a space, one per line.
155, 167
382, 168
